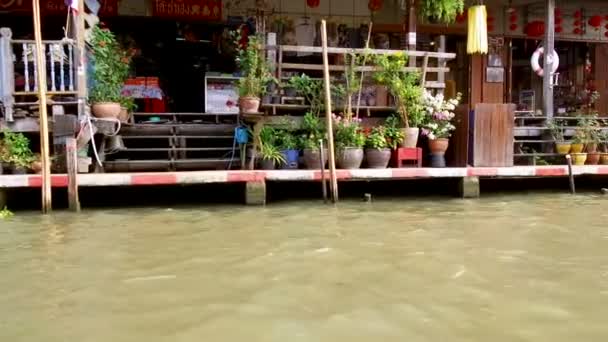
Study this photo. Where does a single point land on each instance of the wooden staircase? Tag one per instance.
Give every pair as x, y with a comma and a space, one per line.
180, 141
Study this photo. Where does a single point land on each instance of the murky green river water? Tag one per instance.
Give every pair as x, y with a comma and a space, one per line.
531, 268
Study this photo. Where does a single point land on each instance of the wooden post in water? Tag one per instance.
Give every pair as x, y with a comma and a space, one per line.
571, 175
322, 166
72, 166
548, 65
47, 204
330, 134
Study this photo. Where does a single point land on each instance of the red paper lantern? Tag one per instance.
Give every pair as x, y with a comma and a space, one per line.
313, 3
578, 14
559, 29
606, 34
558, 12
606, 26
559, 21
577, 23
490, 19
375, 5
513, 18
535, 28
577, 31
490, 28
595, 21
513, 27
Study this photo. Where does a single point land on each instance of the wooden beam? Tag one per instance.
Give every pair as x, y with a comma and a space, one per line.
548, 65
304, 66
47, 202
72, 168
328, 116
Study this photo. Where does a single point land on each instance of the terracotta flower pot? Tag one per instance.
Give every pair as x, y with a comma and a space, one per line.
312, 158
249, 105
106, 110
411, 137
579, 158
577, 148
124, 115
36, 167
604, 159
350, 158
593, 158
377, 158
563, 148
439, 146
591, 148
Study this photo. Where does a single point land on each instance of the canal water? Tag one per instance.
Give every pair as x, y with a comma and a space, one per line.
515, 268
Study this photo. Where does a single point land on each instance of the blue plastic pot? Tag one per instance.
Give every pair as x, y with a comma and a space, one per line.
291, 159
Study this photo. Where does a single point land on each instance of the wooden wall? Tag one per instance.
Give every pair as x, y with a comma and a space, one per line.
492, 135
481, 90
601, 77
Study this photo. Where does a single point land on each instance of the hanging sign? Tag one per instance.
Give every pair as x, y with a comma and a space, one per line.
188, 9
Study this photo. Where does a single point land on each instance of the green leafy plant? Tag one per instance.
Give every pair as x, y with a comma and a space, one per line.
5, 213
128, 103
111, 66
556, 129
16, 149
268, 149
443, 11
314, 130
394, 135
348, 133
376, 139
285, 140
404, 86
311, 89
353, 79
256, 75
588, 130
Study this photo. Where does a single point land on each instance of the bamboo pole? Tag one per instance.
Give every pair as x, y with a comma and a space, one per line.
322, 166
81, 76
44, 126
72, 166
330, 134
369, 37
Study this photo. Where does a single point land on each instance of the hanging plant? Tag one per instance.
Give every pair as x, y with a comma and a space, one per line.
444, 11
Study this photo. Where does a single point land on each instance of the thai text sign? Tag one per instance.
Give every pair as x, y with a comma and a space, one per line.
188, 9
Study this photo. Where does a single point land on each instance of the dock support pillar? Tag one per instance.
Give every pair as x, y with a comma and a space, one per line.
255, 193
3, 198
469, 187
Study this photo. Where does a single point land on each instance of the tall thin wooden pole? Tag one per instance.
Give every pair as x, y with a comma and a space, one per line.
330, 134
47, 205
369, 37
72, 166
81, 75
548, 65
411, 29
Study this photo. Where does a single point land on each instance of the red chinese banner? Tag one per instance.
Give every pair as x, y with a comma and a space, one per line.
188, 9
107, 8
54, 7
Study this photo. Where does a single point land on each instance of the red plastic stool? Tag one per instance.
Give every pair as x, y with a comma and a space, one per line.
403, 155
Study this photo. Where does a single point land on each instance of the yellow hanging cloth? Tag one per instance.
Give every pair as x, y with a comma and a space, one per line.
477, 38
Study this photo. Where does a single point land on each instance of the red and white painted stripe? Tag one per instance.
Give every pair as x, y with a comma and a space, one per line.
202, 177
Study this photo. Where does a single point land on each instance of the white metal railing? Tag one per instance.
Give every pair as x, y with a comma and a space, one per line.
18, 69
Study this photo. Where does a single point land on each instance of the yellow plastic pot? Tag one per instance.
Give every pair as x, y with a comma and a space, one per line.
579, 158
577, 148
563, 148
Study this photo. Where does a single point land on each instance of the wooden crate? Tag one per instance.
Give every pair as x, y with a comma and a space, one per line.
492, 135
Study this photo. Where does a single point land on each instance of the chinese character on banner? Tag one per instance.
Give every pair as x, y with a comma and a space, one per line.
188, 9
107, 7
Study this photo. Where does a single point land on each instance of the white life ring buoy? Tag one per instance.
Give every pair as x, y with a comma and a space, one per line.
536, 58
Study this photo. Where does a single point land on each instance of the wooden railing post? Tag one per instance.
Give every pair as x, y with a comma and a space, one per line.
7, 77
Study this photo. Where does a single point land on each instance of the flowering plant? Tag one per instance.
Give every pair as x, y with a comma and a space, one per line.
111, 66
349, 132
440, 113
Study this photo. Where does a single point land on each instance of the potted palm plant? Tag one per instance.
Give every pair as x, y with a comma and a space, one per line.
349, 140
405, 87
255, 74
111, 69
314, 130
557, 133
269, 153
377, 151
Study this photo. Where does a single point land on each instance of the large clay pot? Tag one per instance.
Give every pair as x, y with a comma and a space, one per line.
267, 164
579, 158
312, 158
604, 159
563, 148
106, 110
350, 158
591, 148
36, 167
249, 105
124, 115
411, 137
577, 148
593, 158
377, 158
439, 146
